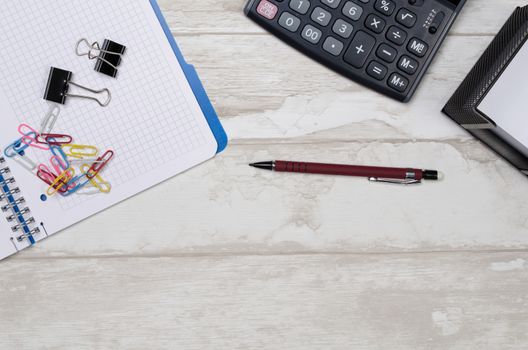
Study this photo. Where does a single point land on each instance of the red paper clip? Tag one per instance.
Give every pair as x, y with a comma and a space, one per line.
99, 164
54, 139
45, 174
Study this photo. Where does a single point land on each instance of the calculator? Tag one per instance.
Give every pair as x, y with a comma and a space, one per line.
386, 45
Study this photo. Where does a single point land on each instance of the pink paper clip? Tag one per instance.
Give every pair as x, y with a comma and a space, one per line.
45, 174
99, 164
58, 164
54, 139
30, 140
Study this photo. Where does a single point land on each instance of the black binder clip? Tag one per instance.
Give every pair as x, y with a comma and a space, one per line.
58, 87
108, 56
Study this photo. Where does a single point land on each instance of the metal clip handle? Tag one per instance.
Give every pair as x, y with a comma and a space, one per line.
395, 181
94, 52
102, 91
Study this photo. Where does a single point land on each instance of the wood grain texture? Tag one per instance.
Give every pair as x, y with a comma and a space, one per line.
220, 17
266, 212
226, 257
417, 301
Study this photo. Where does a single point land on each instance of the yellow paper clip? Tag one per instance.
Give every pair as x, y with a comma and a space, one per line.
97, 180
61, 181
80, 151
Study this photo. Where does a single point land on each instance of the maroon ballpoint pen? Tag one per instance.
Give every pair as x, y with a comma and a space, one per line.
405, 176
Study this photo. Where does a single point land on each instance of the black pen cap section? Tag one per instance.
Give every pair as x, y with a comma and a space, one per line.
431, 175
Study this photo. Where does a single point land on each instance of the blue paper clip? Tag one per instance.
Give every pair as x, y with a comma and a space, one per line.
18, 147
76, 186
59, 153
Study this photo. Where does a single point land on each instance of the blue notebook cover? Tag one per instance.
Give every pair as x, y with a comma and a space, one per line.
198, 89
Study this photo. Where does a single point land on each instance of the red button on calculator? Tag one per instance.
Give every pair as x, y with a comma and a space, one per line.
267, 10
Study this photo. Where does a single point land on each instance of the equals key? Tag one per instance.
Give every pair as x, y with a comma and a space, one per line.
377, 71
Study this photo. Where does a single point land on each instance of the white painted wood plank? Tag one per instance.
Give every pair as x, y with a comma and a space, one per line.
270, 91
420, 301
226, 16
226, 206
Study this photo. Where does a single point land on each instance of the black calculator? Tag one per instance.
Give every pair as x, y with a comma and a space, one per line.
386, 45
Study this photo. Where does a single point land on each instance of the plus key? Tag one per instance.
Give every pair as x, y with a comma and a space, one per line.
360, 49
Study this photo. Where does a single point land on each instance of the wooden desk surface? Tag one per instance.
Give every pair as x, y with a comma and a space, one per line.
225, 257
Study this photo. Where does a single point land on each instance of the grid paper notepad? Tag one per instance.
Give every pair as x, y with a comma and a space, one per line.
154, 121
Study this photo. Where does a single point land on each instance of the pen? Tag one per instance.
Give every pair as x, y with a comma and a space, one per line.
404, 176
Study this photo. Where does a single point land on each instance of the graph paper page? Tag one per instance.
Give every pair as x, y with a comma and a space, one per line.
154, 122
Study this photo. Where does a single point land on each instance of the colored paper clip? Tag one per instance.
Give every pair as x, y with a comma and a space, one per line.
58, 152
99, 164
82, 161
97, 181
45, 174
58, 164
16, 151
80, 151
30, 137
61, 182
48, 123
54, 139
16, 148
75, 185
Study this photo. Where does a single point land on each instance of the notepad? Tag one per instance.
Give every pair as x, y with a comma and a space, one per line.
159, 121
505, 102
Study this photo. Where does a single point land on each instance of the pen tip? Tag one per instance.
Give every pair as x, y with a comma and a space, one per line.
262, 165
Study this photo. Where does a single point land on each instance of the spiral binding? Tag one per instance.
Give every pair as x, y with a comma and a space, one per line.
20, 217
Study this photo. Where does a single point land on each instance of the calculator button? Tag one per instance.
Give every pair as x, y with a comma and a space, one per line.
342, 28
377, 70
311, 34
359, 49
267, 9
408, 65
385, 6
386, 53
289, 22
301, 6
321, 16
396, 35
331, 3
417, 47
406, 18
398, 82
352, 11
375, 23
333, 46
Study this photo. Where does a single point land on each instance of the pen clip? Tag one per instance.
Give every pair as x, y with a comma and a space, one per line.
395, 181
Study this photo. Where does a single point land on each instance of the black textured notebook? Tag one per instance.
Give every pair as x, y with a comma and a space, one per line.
491, 102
